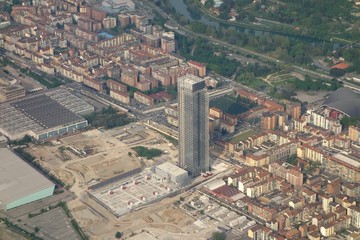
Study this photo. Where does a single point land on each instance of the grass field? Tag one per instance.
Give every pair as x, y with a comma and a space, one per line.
242, 136
228, 105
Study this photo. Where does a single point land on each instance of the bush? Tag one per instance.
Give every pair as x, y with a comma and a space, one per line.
118, 235
218, 236
148, 153
24, 141
109, 118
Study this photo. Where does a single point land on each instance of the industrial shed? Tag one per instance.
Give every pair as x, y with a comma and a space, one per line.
19, 182
43, 115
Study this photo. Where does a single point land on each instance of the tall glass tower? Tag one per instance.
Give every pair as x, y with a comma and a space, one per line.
193, 125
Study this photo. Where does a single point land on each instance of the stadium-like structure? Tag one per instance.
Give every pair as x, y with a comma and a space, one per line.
343, 101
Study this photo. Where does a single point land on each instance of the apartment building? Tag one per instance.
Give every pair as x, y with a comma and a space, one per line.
144, 99
120, 96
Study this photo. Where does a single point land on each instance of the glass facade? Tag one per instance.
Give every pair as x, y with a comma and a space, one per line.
193, 125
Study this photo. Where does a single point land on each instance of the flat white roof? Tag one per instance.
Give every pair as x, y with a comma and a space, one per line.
172, 169
347, 160
191, 79
18, 179
214, 184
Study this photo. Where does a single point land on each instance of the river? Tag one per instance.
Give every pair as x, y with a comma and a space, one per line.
181, 8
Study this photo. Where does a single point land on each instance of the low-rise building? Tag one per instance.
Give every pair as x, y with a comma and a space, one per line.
351, 189
343, 166
354, 213
120, 96
94, 84
201, 68
354, 134
10, 93
109, 22
268, 121
144, 99
114, 85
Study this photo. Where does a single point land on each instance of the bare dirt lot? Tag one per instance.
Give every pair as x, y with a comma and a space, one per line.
7, 234
106, 153
157, 221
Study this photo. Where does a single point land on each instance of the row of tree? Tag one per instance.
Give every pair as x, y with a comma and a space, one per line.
203, 51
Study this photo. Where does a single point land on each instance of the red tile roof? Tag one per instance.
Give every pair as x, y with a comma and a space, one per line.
341, 66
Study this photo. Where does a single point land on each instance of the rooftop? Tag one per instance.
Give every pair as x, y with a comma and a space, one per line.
171, 168
46, 111
343, 100
36, 113
226, 191
341, 66
347, 160
70, 101
191, 79
17, 178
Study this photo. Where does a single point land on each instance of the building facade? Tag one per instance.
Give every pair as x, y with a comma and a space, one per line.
11, 93
193, 125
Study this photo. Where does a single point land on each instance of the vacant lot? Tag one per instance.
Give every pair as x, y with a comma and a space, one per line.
228, 105
311, 97
107, 154
7, 234
53, 224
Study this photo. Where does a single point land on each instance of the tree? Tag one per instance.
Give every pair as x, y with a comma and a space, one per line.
118, 235
148, 153
16, 2
218, 236
292, 159
59, 25
129, 154
209, 3
336, 72
348, 121
36, 229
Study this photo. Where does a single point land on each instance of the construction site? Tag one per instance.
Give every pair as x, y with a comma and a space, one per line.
141, 189
93, 164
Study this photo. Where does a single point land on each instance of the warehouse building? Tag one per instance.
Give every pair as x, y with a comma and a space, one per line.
70, 101
20, 183
44, 115
172, 173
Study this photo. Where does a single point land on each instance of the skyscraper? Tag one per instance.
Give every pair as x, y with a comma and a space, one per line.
193, 125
